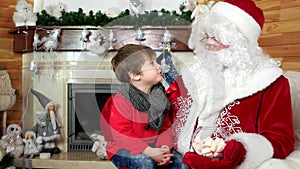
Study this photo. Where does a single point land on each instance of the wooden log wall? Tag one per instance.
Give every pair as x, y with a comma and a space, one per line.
280, 38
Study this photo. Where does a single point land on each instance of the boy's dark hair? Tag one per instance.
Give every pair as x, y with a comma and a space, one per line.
130, 58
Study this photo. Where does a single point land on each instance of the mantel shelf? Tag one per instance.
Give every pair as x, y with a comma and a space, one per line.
69, 39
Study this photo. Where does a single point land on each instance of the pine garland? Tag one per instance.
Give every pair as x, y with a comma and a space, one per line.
152, 18
7, 161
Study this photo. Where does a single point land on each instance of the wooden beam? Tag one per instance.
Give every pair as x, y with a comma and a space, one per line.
69, 39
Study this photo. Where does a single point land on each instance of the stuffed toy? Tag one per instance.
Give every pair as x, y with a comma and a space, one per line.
99, 146
24, 16
12, 141
56, 10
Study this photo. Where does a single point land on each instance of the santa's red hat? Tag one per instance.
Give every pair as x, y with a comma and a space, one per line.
244, 14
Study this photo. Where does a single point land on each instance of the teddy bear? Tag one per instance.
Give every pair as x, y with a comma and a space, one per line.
99, 146
12, 141
56, 10
24, 16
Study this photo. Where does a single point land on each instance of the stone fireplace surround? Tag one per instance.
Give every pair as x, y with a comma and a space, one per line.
69, 67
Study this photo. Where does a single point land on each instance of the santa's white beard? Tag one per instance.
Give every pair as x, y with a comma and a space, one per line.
235, 64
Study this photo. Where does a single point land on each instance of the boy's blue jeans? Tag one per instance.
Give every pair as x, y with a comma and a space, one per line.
140, 161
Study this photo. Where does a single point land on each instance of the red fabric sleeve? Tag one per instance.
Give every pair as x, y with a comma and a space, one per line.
176, 90
275, 121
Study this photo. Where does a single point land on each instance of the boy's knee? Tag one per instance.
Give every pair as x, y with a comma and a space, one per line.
143, 163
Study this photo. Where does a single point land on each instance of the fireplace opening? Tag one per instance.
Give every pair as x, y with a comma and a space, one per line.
85, 102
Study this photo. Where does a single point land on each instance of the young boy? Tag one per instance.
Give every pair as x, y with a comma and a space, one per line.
136, 122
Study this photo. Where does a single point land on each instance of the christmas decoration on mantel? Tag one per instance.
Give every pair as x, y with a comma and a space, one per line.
56, 17
161, 17
24, 16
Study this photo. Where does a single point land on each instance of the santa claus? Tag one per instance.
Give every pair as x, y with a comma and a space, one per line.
231, 90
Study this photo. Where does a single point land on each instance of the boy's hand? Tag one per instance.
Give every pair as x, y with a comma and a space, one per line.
168, 155
158, 155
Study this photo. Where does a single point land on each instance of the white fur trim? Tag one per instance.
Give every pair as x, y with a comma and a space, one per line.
31, 133
245, 23
258, 149
257, 81
51, 103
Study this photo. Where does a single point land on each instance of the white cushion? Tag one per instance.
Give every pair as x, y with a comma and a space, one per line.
294, 80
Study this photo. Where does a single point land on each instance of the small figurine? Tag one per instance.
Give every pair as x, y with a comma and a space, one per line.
99, 146
31, 149
47, 130
12, 141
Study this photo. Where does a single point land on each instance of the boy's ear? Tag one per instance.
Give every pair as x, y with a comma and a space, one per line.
134, 76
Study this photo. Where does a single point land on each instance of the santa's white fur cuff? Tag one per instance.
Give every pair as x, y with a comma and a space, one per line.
258, 149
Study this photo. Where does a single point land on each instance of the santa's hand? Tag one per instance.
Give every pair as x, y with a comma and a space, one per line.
234, 154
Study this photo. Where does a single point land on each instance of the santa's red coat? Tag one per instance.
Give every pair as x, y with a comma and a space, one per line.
262, 122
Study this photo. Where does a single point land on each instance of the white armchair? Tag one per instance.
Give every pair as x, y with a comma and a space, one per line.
293, 160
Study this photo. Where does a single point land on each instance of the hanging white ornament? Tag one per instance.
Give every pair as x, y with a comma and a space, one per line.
136, 7
52, 40
167, 37
33, 66
85, 37
140, 35
100, 46
112, 39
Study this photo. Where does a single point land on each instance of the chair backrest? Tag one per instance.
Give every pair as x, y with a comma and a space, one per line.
294, 80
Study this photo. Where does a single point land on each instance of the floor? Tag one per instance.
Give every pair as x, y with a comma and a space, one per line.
68, 160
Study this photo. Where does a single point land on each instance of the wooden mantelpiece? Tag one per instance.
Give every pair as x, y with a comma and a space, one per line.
69, 39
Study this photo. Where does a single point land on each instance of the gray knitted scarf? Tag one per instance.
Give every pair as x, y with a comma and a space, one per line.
154, 103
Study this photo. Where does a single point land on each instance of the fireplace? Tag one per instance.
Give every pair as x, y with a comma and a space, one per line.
77, 74
85, 102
